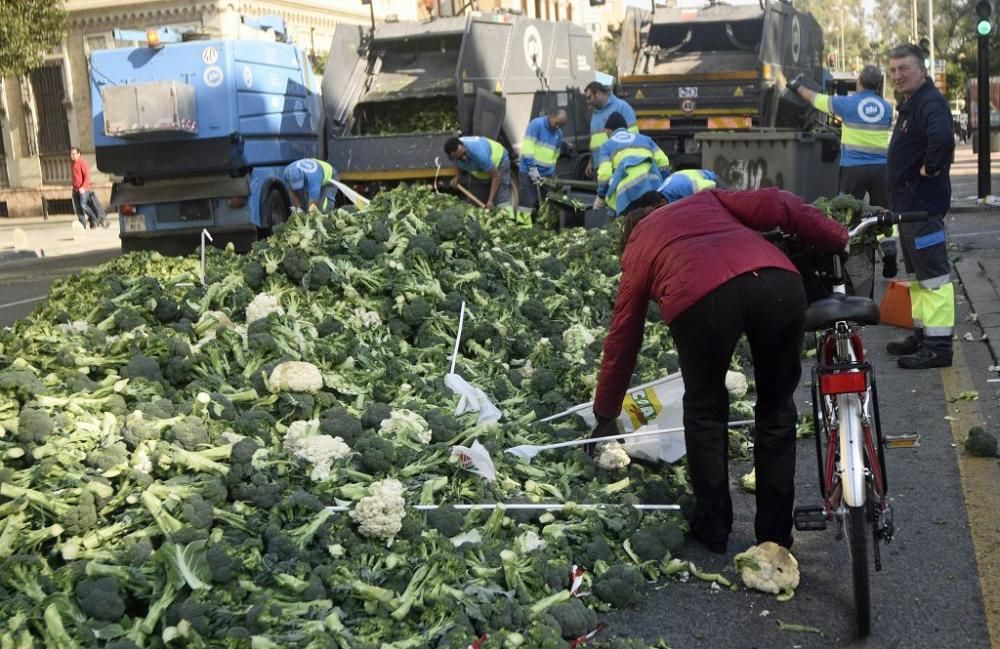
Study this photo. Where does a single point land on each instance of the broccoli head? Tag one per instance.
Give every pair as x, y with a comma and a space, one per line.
416, 311
574, 618
34, 425
653, 543
447, 520
100, 598
543, 381
338, 422
295, 264
981, 443
621, 586
375, 415
167, 310
254, 274
255, 423
189, 433
197, 512
375, 454
142, 367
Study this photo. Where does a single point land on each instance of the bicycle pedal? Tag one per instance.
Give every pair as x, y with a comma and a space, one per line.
809, 518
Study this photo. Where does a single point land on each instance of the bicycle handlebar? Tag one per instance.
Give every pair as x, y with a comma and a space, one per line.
886, 217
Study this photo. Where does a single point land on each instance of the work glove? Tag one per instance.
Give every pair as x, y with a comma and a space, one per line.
605, 428
796, 83
296, 210
599, 203
534, 175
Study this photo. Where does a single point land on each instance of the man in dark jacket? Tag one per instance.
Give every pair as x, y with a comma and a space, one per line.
714, 277
920, 154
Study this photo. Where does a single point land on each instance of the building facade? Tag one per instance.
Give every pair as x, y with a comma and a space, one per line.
47, 111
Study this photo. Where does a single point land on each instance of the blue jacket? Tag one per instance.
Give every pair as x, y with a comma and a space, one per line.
922, 138
599, 117
628, 166
485, 155
865, 122
689, 181
541, 147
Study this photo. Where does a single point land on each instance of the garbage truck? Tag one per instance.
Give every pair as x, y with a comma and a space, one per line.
716, 68
394, 93
198, 131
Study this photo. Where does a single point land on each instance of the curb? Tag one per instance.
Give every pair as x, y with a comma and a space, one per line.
990, 343
12, 256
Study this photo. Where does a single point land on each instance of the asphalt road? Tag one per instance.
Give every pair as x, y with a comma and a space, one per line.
24, 284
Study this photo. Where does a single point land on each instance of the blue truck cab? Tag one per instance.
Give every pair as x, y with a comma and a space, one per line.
198, 132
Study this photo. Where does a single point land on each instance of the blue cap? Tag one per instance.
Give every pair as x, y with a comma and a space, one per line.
294, 177
676, 187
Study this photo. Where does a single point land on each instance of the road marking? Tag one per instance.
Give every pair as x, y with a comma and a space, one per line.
980, 486
20, 302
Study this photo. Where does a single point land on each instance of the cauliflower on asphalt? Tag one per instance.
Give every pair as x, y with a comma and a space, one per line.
406, 424
613, 457
768, 567
263, 305
380, 513
295, 376
748, 481
737, 384
304, 441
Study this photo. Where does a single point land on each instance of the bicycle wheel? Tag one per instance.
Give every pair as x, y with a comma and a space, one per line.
856, 525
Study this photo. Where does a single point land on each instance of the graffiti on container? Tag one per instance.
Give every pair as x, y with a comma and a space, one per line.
745, 174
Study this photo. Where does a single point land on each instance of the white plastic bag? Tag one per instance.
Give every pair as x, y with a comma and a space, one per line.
655, 405
476, 459
472, 399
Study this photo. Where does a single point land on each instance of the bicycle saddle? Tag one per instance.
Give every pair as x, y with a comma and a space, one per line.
829, 310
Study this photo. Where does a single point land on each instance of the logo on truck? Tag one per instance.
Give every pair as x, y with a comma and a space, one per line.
533, 47
213, 76
796, 39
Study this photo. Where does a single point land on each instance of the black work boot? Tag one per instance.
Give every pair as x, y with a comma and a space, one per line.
905, 347
924, 359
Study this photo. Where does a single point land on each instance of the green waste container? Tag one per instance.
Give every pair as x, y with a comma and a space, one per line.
806, 164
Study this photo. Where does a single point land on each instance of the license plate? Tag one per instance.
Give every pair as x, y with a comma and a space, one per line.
135, 223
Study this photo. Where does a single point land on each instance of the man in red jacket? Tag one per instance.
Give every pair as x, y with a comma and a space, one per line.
704, 261
85, 201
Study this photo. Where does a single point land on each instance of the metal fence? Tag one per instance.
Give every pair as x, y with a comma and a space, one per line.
50, 97
57, 169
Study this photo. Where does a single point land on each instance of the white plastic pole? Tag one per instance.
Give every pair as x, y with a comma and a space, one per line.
458, 338
204, 235
524, 506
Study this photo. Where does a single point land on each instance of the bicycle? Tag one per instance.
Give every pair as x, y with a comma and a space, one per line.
850, 448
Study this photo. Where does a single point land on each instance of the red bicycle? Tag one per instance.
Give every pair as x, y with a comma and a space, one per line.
850, 448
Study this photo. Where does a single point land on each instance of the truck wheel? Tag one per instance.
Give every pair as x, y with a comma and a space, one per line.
580, 167
275, 210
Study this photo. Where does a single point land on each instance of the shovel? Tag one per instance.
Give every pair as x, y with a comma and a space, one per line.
472, 197
529, 451
359, 201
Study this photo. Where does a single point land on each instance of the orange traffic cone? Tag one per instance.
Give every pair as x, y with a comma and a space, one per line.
895, 308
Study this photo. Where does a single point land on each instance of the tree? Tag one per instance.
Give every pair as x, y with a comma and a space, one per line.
28, 29
606, 52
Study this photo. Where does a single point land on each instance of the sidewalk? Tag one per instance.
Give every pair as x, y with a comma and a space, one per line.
30, 238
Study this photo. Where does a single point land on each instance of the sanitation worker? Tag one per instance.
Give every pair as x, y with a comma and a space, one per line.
603, 104
311, 182
629, 166
539, 153
920, 155
484, 160
686, 182
866, 120
703, 261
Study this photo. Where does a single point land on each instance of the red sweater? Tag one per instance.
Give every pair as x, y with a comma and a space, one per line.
683, 251
81, 175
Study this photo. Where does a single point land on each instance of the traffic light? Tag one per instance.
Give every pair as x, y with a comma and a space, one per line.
984, 18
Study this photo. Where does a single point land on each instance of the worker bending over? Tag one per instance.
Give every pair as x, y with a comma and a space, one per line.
686, 182
539, 154
629, 166
483, 159
311, 182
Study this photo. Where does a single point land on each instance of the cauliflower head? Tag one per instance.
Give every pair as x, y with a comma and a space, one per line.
380, 513
263, 305
577, 338
364, 319
295, 376
304, 441
737, 384
406, 424
613, 456
768, 567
